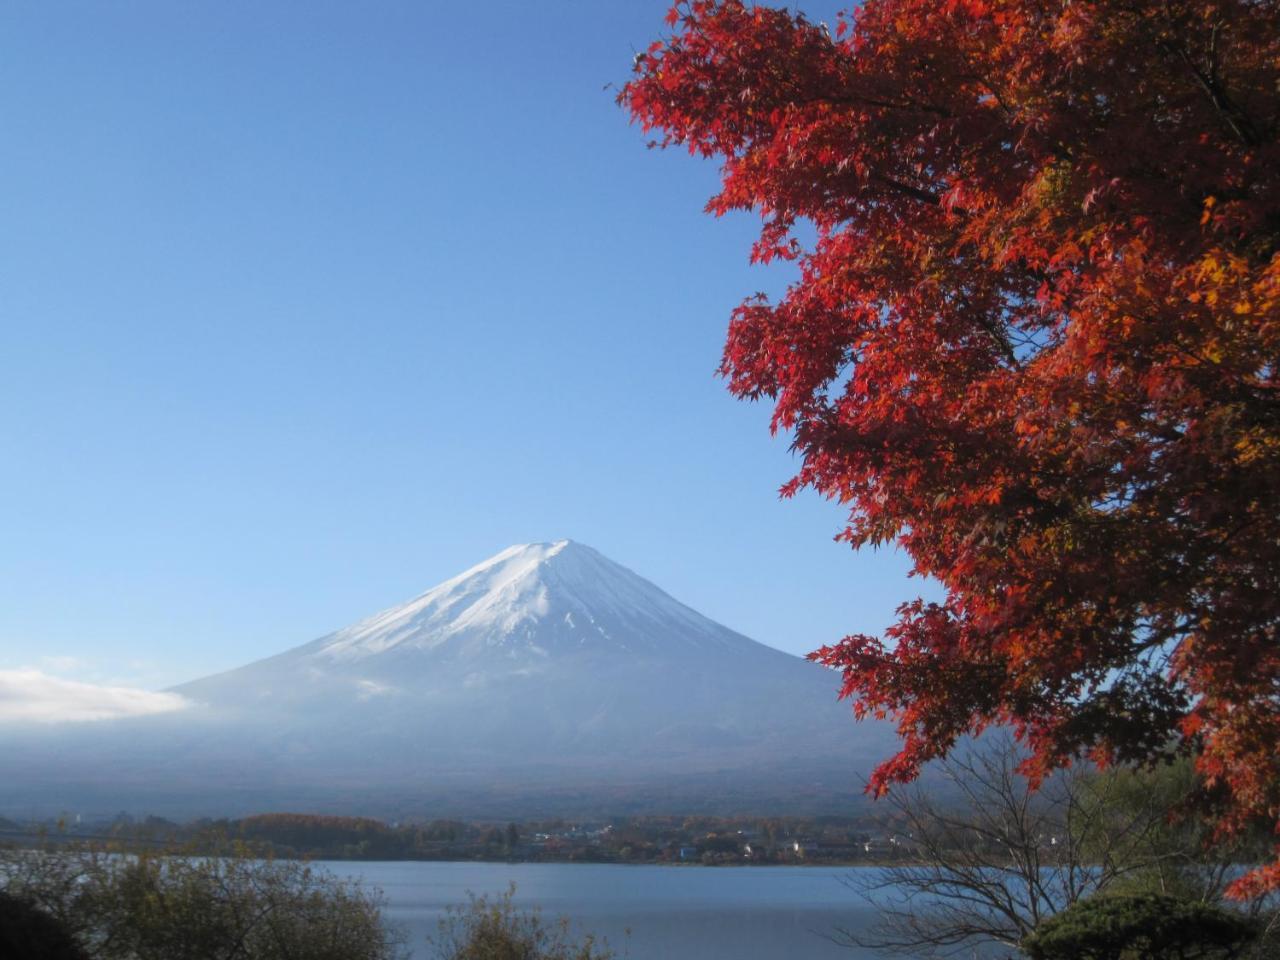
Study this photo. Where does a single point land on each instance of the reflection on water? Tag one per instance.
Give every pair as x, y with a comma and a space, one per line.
672, 913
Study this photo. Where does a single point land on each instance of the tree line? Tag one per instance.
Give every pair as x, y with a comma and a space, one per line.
707, 840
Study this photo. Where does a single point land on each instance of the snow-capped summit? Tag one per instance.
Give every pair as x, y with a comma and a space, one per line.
536, 597
561, 612
547, 670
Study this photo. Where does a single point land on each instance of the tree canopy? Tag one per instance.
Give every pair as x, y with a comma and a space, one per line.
1033, 341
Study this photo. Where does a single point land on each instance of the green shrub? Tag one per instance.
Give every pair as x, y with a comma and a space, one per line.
1143, 927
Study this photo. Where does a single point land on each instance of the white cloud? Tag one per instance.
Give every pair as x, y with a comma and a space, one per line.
370, 688
33, 695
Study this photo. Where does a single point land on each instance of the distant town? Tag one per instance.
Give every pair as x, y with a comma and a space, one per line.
701, 840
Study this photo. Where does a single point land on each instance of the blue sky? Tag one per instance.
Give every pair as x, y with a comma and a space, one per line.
306, 307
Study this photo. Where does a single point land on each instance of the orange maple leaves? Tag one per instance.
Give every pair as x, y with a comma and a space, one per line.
1035, 343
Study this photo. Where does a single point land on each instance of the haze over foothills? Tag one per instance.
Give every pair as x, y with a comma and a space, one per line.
544, 680
306, 309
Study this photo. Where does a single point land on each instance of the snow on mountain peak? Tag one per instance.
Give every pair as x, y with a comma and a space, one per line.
547, 670
532, 599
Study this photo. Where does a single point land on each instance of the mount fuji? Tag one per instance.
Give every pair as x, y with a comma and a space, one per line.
547, 678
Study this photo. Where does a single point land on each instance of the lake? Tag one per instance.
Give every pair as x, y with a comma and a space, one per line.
672, 913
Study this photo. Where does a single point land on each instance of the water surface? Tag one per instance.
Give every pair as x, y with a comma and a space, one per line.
672, 913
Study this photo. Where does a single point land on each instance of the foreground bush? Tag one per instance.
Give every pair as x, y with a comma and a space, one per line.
27, 932
491, 928
200, 908
1144, 927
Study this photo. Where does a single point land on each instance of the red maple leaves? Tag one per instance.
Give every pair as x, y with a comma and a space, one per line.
1035, 343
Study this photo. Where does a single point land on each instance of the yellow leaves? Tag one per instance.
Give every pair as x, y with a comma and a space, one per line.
1256, 445
1051, 185
1208, 210
1221, 279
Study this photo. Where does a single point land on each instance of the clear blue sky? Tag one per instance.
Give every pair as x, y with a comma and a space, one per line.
306, 307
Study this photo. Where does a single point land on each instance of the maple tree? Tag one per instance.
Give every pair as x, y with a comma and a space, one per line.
1033, 341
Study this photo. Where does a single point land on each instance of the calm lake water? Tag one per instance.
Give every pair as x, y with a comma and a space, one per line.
672, 913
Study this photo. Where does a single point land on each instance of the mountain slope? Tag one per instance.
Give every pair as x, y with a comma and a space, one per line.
538, 609
547, 669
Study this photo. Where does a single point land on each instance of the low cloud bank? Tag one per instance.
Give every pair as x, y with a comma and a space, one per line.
34, 696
